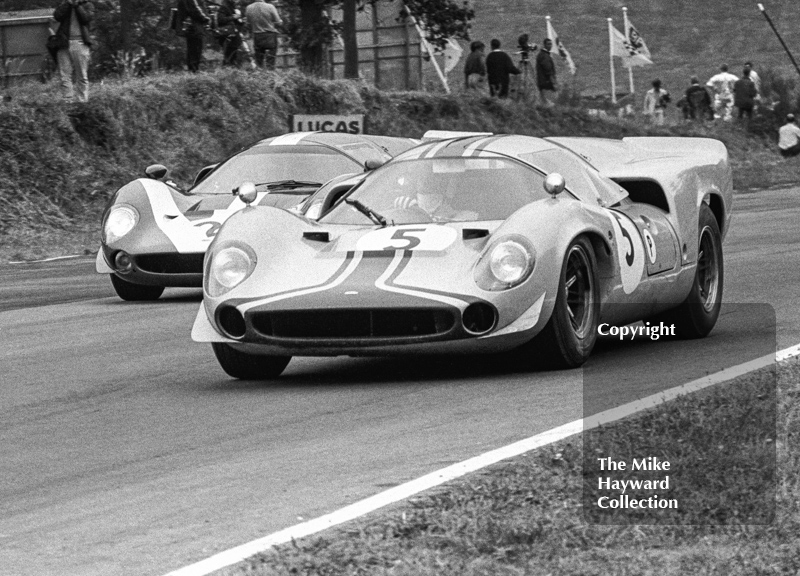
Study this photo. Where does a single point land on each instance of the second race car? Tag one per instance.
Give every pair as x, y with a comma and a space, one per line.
155, 235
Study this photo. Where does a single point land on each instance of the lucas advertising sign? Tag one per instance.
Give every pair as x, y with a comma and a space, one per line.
350, 123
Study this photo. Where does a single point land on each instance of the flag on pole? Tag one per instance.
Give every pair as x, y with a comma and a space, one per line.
618, 42
452, 54
638, 54
551, 33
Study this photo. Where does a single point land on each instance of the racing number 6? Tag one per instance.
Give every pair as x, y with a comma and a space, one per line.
629, 257
404, 235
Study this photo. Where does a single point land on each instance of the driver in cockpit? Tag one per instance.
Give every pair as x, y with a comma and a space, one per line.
436, 203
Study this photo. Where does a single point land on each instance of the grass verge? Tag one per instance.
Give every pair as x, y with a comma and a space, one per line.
526, 516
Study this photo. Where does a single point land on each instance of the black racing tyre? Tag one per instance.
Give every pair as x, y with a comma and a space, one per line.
569, 336
135, 292
697, 315
248, 366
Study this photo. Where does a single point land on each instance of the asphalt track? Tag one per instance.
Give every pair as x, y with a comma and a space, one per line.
124, 449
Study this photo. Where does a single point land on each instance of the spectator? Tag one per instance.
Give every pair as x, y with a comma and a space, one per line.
754, 77
74, 19
475, 66
499, 67
655, 102
546, 72
193, 19
264, 21
698, 101
229, 18
722, 85
744, 95
789, 138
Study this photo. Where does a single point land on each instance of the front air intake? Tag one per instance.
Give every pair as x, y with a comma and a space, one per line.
479, 318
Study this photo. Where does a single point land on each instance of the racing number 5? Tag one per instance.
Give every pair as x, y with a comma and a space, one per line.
404, 235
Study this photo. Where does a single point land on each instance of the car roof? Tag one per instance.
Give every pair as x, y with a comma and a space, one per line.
357, 146
511, 145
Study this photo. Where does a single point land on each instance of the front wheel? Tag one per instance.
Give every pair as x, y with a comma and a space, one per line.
569, 336
248, 366
697, 315
135, 292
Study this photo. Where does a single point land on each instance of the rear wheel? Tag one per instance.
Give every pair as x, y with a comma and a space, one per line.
570, 334
697, 315
135, 292
248, 366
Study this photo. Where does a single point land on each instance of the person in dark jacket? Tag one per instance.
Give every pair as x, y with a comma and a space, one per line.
499, 68
545, 72
229, 21
475, 66
193, 19
744, 95
74, 19
698, 101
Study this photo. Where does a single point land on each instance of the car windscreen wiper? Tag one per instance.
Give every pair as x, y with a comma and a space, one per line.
366, 211
289, 184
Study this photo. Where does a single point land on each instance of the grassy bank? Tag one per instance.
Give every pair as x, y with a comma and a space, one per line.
528, 515
59, 163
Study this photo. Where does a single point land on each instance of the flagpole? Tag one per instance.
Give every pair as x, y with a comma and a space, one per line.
785, 47
630, 68
428, 48
611, 61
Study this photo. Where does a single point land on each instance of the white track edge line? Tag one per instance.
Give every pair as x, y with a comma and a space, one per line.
403, 491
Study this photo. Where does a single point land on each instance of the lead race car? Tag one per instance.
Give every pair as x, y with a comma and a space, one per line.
476, 244
155, 235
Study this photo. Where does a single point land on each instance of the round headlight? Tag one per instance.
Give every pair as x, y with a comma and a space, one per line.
229, 268
120, 220
510, 262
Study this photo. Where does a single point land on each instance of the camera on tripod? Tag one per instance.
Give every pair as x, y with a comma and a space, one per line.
525, 47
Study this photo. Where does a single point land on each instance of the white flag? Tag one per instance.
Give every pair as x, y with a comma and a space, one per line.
637, 49
618, 43
551, 33
452, 54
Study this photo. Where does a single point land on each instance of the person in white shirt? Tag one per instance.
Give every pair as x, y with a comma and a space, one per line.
789, 137
655, 102
722, 85
264, 20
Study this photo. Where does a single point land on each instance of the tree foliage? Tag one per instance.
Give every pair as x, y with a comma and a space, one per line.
310, 28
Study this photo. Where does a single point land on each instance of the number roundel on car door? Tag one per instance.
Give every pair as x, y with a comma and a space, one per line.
630, 251
412, 237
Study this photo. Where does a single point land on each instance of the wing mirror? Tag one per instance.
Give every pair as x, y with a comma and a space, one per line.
246, 192
156, 171
372, 164
554, 184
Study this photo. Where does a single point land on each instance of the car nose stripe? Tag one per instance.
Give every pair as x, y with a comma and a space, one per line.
401, 258
355, 259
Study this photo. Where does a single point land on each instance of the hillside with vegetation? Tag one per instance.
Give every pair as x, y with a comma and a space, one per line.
60, 163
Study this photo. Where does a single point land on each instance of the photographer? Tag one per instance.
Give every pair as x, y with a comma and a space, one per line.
74, 44
499, 67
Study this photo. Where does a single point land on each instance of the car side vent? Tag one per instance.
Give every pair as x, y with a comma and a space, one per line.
317, 236
645, 192
474, 233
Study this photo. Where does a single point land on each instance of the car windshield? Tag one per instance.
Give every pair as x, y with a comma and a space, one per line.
263, 164
443, 190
